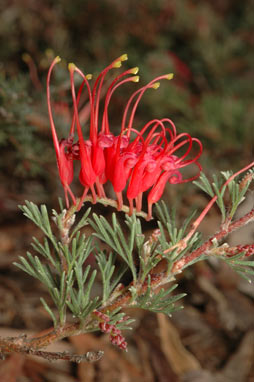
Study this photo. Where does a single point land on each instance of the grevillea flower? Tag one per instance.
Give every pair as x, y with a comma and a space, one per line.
135, 160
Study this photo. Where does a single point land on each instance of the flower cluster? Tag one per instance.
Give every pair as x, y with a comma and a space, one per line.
135, 160
116, 337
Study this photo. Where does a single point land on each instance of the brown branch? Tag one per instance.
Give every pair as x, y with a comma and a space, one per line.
210, 242
20, 345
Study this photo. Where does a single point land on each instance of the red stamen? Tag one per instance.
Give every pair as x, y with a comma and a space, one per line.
73, 68
52, 125
87, 175
111, 90
152, 84
96, 97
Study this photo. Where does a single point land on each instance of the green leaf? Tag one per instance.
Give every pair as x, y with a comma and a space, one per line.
40, 218
242, 267
204, 184
160, 302
106, 266
115, 238
83, 222
26, 267
50, 312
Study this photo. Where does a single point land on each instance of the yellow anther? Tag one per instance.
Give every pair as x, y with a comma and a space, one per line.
135, 79
169, 76
134, 70
57, 59
156, 85
124, 57
89, 76
117, 64
71, 66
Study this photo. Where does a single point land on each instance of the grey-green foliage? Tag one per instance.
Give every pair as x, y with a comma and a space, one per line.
116, 239
149, 252
160, 302
126, 248
40, 218
80, 302
110, 278
170, 234
245, 268
61, 268
120, 319
236, 194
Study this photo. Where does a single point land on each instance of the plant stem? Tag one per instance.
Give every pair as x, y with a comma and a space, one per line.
106, 202
20, 345
210, 242
211, 203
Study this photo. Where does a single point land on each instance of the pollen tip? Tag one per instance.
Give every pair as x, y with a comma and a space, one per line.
134, 70
71, 66
156, 85
135, 79
117, 64
169, 76
89, 76
124, 57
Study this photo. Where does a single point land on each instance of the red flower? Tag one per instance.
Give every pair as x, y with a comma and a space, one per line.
149, 161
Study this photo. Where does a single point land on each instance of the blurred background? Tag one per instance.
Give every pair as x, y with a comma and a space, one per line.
208, 45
